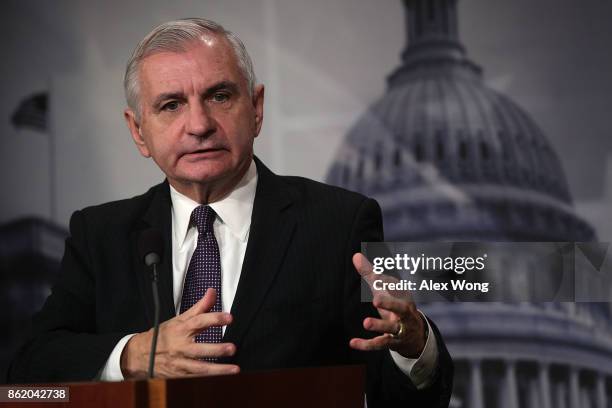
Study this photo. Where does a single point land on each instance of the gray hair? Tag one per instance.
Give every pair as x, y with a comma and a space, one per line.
172, 36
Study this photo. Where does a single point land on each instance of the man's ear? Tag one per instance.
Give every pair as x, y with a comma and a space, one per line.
258, 105
135, 131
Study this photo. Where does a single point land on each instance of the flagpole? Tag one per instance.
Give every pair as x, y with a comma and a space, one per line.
52, 182
52, 155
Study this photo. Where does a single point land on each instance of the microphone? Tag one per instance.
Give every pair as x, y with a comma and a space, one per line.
151, 249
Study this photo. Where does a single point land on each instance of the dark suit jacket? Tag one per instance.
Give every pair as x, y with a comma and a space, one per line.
297, 302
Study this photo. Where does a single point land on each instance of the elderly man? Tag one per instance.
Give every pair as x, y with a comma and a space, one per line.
259, 271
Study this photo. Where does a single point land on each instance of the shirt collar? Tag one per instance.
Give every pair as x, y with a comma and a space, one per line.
234, 210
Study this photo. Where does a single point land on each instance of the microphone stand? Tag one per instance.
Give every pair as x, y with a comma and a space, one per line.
155, 320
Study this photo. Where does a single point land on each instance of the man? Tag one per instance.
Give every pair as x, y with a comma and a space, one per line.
259, 271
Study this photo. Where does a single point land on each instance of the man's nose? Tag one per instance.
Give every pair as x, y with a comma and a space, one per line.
199, 122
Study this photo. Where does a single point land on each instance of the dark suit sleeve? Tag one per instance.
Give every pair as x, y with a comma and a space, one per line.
64, 345
386, 384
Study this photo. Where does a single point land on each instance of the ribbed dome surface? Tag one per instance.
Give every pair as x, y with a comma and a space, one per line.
470, 133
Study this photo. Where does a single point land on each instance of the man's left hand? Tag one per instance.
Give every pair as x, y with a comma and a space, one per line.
401, 325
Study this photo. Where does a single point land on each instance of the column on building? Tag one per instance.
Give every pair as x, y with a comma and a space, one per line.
560, 395
544, 382
476, 394
574, 387
602, 398
509, 394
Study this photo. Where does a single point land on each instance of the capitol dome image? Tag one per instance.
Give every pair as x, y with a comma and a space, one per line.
450, 159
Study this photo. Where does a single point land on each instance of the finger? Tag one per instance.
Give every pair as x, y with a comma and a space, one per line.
201, 350
230, 372
203, 321
401, 307
364, 268
377, 343
191, 367
380, 325
222, 369
203, 305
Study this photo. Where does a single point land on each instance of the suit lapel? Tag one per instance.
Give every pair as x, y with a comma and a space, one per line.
157, 216
272, 224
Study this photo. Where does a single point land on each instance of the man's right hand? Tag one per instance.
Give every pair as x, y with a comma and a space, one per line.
177, 354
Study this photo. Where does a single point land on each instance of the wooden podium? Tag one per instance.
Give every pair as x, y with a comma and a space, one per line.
301, 387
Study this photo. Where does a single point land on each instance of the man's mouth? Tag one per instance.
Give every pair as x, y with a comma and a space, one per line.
204, 153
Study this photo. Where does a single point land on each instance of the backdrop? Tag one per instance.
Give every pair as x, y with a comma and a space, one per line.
64, 144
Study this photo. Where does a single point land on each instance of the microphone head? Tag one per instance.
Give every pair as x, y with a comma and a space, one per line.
150, 246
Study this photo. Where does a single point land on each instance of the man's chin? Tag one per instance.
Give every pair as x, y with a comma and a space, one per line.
206, 175
209, 171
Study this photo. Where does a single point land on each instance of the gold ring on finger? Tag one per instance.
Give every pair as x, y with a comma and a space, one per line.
400, 331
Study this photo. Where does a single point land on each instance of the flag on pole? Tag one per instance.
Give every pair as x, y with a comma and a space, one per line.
32, 112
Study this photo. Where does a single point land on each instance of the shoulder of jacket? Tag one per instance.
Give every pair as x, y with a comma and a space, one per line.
315, 190
120, 210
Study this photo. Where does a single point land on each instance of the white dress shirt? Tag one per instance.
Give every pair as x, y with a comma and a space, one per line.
231, 228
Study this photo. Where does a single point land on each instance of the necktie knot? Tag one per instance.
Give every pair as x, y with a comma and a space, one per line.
203, 217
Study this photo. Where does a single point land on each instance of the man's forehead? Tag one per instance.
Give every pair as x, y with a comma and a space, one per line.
205, 50
208, 59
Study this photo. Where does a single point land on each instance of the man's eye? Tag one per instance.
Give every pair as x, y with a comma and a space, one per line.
220, 97
171, 106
